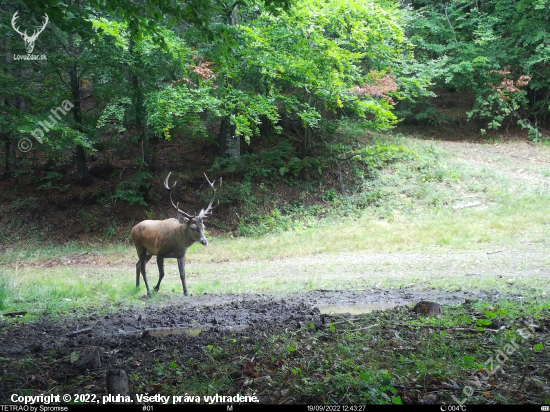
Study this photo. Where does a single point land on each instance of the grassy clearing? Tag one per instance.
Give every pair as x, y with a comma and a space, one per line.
58, 290
409, 206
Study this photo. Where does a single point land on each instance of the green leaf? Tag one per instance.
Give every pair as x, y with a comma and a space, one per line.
537, 347
291, 349
331, 327
392, 389
74, 357
396, 400
468, 358
365, 376
173, 365
490, 314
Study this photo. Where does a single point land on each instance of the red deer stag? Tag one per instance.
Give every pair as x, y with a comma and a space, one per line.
169, 238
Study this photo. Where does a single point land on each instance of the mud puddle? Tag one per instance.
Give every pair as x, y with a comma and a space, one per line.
357, 308
195, 322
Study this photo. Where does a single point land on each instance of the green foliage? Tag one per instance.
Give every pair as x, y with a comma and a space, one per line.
269, 165
113, 115
179, 108
132, 191
50, 179
255, 225
368, 160
310, 60
486, 48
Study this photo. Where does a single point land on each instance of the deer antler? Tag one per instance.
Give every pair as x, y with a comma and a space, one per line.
35, 34
15, 16
167, 186
205, 213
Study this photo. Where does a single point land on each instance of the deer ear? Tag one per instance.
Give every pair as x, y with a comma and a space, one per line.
182, 219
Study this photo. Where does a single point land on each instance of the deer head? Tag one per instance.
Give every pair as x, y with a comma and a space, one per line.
29, 40
195, 222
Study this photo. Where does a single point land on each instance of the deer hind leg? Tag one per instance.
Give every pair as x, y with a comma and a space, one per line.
143, 259
138, 268
160, 264
181, 267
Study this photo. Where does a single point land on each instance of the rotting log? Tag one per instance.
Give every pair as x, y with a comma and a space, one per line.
90, 361
117, 383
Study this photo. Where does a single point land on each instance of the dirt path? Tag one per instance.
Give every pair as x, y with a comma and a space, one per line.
525, 162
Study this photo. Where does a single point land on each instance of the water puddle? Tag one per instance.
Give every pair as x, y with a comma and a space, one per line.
177, 331
160, 332
356, 308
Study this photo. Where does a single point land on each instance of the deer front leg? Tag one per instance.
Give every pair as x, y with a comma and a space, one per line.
160, 264
143, 259
181, 267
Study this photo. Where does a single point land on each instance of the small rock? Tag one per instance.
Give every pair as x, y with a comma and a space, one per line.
427, 308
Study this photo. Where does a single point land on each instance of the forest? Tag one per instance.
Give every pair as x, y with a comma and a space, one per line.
379, 221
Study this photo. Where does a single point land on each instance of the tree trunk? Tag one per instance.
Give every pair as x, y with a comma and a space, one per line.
10, 155
137, 102
82, 173
228, 143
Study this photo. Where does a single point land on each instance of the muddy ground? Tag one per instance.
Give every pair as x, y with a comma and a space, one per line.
126, 339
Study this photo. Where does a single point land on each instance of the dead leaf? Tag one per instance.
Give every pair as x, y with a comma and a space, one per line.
249, 368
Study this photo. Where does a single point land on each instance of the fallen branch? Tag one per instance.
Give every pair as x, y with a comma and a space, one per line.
448, 328
19, 313
365, 328
78, 332
496, 251
465, 197
473, 204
